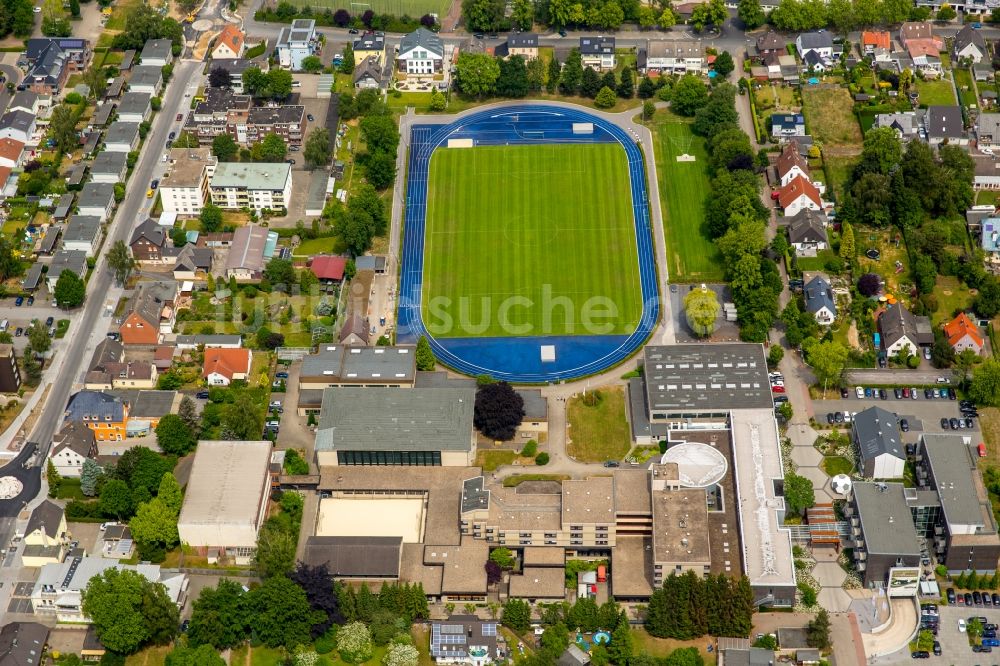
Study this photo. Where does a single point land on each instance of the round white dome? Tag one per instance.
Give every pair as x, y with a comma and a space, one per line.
698, 465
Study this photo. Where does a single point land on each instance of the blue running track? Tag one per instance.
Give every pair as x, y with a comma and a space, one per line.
518, 359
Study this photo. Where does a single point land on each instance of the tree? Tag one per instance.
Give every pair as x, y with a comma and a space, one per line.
476, 73
751, 13
606, 98
318, 584
499, 410
280, 272
380, 133
572, 73
272, 148
312, 64
516, 615
116, 499
869, 284
827, 360
701, 309
219, 616
712, 13
502, 557
354, 643
626, 85
590, 84
552, 76
281, 613
799, 494
70, 290
90, 474
882, 151
946, 13
187, 411
818, 631
225, 148
689, 94
348, 63
438, 101
275, 551
724, 64
121, 605
512, 80
523, 14
96, 81
984, 389
847, 249
120, 261
203, 655
401, 654
318, 149
243, 418
38, 337
210, 218
218, 77
622, 647
425, 355
154, 529
380, 169
175, 436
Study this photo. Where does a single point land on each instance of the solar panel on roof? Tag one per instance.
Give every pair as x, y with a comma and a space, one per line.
489, 630
452, 629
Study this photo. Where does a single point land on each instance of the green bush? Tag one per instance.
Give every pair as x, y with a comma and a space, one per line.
325, 644
542, 459
530, 449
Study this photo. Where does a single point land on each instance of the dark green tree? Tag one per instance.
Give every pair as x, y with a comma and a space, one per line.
517, 615
174, 436
70, 290
220, 616
425, 355
281, 613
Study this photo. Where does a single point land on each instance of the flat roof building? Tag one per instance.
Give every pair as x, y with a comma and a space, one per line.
226, 499
884, 534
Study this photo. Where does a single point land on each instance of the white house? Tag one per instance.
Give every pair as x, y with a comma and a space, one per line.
185, 187
222, 366
122, 137
65, 260
96, 200
17, 125
296, 43
598, 52
807, 232
230, 44
791, 164
46, 536
109, 167
880, 449
83, 233
799, 194
819, 42
421, 53
158, 52
674, 56
236, 185
135, 107
969, 43
71, 446
903, 332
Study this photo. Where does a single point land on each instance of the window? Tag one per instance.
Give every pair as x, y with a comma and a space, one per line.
390, 458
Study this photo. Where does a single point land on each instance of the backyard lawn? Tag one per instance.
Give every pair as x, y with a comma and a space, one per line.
598, 428
817, 263
155, 655
830, 116
952, 296
935, 92
834, 465
966, 89
661, 647
328, 245
691, 254
839, 169
987, 197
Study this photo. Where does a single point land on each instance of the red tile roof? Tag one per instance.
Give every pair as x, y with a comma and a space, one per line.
876, 38
328, 268
232, 37
790, 158
959, 327
797, 188
226, 362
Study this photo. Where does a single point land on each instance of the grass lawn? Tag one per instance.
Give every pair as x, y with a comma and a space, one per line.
984, 197
939, 91
524, 240
154, 655
839, 169
420, 101
989, 424
966, 90
830, 116
691, 254
816, 263
885, 242
661, 647
490, 460
599, 432
951, 295
517, 479
329, 245
834, 465
415, 8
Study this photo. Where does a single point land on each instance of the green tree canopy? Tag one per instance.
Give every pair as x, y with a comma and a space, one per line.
70, 290
281, 613
174, 436
122, 606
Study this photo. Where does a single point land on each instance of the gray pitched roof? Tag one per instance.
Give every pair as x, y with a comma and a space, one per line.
356, 557
819, 295
96, 194
523, 40
151, 231
191, 258
71, 260
47, 516
340, 362
96, 404
424, 38
107, 351
157, 48
19, 120
876, 432
74, 436
806, 226
149, 299
816, 40
146, 75
969, 35
122, 132
604, 45
897, 321
944, 122
134, 102
368, 68
82, 228
22, 643
109, 162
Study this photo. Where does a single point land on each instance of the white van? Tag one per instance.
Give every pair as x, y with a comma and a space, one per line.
4, 325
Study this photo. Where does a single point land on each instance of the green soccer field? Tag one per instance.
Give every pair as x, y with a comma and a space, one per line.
530, 240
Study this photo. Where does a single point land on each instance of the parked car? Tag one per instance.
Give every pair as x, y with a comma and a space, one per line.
906, 393
950, 594
977, 598
868, 392
309, 117
969, 423
49, 321
937, 649
860, 392
927, 353
281, 375
943, 393
844, 393
995, 598
201, 395
913, 392
612, 463
19, 332
985, 649
951, 394
961, 625
898, 392
921, 654
904, 425
954, 424
180, 117
968, 599
19, 301
944, 422
991, 643
930, 394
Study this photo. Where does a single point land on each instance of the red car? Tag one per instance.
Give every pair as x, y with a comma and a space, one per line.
777, 389
180, 117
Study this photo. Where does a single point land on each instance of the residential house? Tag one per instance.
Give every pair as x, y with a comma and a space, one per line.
158, 52
962, 333
876, 44
150, 314
230, 44
807, 232
146, 408
193, 263
185, 187
147, 79
296, 43
117, 542
679, 56
880, 447
944, 124
328, 268
987, 173
50, 61
354, 331
58, 590
23, 643
109, 167
916, 30
235, 68
96, 200
799, 194
236, 185
791, 164
217, 341
820, 42
83, 233
221, 366
11, 152
149, 242
135, 107
66, 260
465, 639
770, 43
30, 102
46, 536
421, 53
598, 52
287, 121
925, 56
524, 44
71, 447
122, 137
115, 88
226, 499
18, 125
107, 353
988, 132
969, 45
10, 376
245, 261
903, 332
33, 278
907, 124
370, 45
787, 125
749, 656
820, 301
368, 74
991, 237
106, 415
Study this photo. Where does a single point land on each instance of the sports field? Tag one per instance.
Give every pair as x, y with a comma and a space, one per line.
530, 240
411, 8
691, 255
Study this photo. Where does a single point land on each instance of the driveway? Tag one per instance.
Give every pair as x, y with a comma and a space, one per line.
293, 433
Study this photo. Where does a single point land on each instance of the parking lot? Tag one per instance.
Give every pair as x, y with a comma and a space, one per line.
955, 648
922, 415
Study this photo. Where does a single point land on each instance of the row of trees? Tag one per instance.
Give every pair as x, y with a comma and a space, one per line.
286, 12
143, 23
489, 15
842, 15
689, 606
